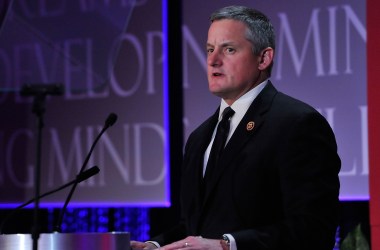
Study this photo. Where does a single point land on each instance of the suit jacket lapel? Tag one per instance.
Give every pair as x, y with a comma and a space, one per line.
249, 125
206, 131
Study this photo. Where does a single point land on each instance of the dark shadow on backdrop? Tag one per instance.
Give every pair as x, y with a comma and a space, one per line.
163, 218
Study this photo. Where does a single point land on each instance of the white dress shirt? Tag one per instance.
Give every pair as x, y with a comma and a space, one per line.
240, 106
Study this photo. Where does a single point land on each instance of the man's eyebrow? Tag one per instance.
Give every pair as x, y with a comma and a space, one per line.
224, 44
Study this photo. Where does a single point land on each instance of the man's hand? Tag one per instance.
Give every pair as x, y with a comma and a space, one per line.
194, 243
136, 245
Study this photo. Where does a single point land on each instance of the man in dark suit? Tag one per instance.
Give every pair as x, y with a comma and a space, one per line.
275, 184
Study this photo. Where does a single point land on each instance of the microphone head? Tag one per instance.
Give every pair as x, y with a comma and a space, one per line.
87, 174
111, 119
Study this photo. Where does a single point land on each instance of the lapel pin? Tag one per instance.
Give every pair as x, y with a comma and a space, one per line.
250, 126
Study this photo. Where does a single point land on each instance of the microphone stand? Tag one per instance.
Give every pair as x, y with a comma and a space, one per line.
39, 110
39, 92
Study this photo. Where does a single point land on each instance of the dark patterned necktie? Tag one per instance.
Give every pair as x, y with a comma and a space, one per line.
219, 141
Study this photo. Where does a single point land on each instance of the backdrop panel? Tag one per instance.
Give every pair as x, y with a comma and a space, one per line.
108, 55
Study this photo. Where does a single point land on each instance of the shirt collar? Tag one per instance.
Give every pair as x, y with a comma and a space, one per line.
241, 105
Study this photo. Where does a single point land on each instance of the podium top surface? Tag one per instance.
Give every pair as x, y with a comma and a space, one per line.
68, 241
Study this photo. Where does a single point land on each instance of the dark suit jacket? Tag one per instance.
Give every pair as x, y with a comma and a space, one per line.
276, 186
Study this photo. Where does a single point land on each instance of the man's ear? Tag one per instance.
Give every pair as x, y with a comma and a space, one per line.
266, 58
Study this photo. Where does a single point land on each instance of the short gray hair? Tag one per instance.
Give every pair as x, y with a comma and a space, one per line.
260, 31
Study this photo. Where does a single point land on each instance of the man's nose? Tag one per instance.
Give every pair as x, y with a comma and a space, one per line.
214, 59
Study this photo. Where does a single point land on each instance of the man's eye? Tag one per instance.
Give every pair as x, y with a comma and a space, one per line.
209, 51
230, 50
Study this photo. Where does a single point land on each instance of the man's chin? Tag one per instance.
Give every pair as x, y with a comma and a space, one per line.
218, 93
215, 88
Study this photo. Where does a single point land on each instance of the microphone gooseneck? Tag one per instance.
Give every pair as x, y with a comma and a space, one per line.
79, 178
111, 119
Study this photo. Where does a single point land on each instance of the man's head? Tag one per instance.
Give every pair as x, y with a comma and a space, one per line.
260, 31
240, 50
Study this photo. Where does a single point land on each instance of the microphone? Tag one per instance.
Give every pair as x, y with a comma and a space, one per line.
86, 174
79, 178
111, 119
